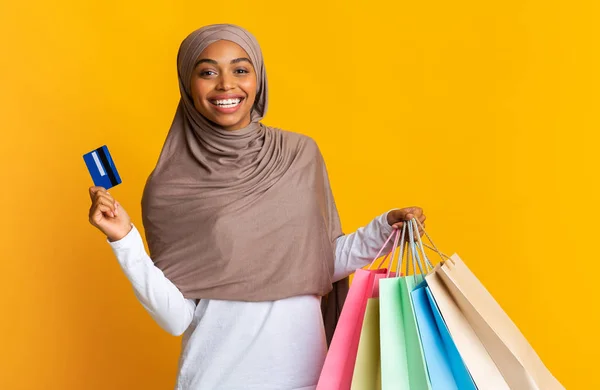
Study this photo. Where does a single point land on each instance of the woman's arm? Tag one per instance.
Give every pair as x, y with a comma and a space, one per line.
355, 250
159, 296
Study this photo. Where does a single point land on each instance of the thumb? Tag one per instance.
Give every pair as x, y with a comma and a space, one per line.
396, 217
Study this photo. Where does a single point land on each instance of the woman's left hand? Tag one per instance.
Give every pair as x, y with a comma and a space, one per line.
396, 218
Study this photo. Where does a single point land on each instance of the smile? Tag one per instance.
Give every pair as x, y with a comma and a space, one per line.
227, 103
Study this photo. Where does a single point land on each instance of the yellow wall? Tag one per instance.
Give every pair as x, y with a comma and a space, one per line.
484, 113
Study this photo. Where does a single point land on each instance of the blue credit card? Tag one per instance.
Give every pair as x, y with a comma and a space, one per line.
102, 168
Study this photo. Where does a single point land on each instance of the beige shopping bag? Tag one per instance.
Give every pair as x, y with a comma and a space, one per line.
480, 364
515, 358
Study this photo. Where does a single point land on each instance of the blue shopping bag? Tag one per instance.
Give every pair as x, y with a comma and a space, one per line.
445, 366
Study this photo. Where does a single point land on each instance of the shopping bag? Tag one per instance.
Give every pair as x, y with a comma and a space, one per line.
516, 359
367, 370
479, 363
339, 363
445, 367
402, 362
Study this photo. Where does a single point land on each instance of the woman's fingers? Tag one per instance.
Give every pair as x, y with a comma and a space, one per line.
105, 201
105, 198
94, 190
106, 209
408, 214
98, 213
413, 212
100, 192
112, 201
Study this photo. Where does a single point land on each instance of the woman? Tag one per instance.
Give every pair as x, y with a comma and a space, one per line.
242, 228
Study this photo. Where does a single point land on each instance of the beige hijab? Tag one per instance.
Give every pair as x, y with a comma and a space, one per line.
244, 215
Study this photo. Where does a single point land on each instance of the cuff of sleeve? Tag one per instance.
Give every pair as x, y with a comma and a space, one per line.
383, 223
128, 241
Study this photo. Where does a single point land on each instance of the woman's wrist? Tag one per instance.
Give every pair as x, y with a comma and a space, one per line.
120, 235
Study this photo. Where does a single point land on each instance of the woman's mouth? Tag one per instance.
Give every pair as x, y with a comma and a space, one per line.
226, 106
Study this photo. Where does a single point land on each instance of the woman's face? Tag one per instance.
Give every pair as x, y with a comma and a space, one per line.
224, 85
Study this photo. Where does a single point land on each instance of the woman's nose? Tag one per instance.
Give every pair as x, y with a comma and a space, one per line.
226, 82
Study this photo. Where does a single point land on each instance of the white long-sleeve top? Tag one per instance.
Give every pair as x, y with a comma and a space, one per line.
235, 345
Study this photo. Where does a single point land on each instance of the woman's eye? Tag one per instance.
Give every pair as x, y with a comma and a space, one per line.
241, 71
205, 73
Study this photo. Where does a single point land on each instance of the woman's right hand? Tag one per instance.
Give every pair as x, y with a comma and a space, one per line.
108, 215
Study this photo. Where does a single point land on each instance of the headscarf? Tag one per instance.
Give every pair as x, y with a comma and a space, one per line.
244, 215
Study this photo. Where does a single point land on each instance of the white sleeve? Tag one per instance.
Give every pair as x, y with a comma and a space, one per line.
355, 250
159, 296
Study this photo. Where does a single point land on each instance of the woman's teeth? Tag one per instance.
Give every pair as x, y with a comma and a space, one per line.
227, 103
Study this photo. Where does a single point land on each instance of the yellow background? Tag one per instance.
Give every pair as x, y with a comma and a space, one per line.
484, 113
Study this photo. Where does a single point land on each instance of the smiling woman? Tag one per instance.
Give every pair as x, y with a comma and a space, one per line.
243, 231
224, 85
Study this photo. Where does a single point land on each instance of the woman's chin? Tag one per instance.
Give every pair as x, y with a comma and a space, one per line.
226, 121
231, 123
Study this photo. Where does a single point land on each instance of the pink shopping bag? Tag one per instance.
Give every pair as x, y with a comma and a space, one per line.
338, 368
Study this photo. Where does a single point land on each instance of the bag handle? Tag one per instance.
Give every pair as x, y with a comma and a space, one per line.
393, 235
427, 264
420, 262
404, 248
434, 248
393, 252
411, 248
401, 255
416, 260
